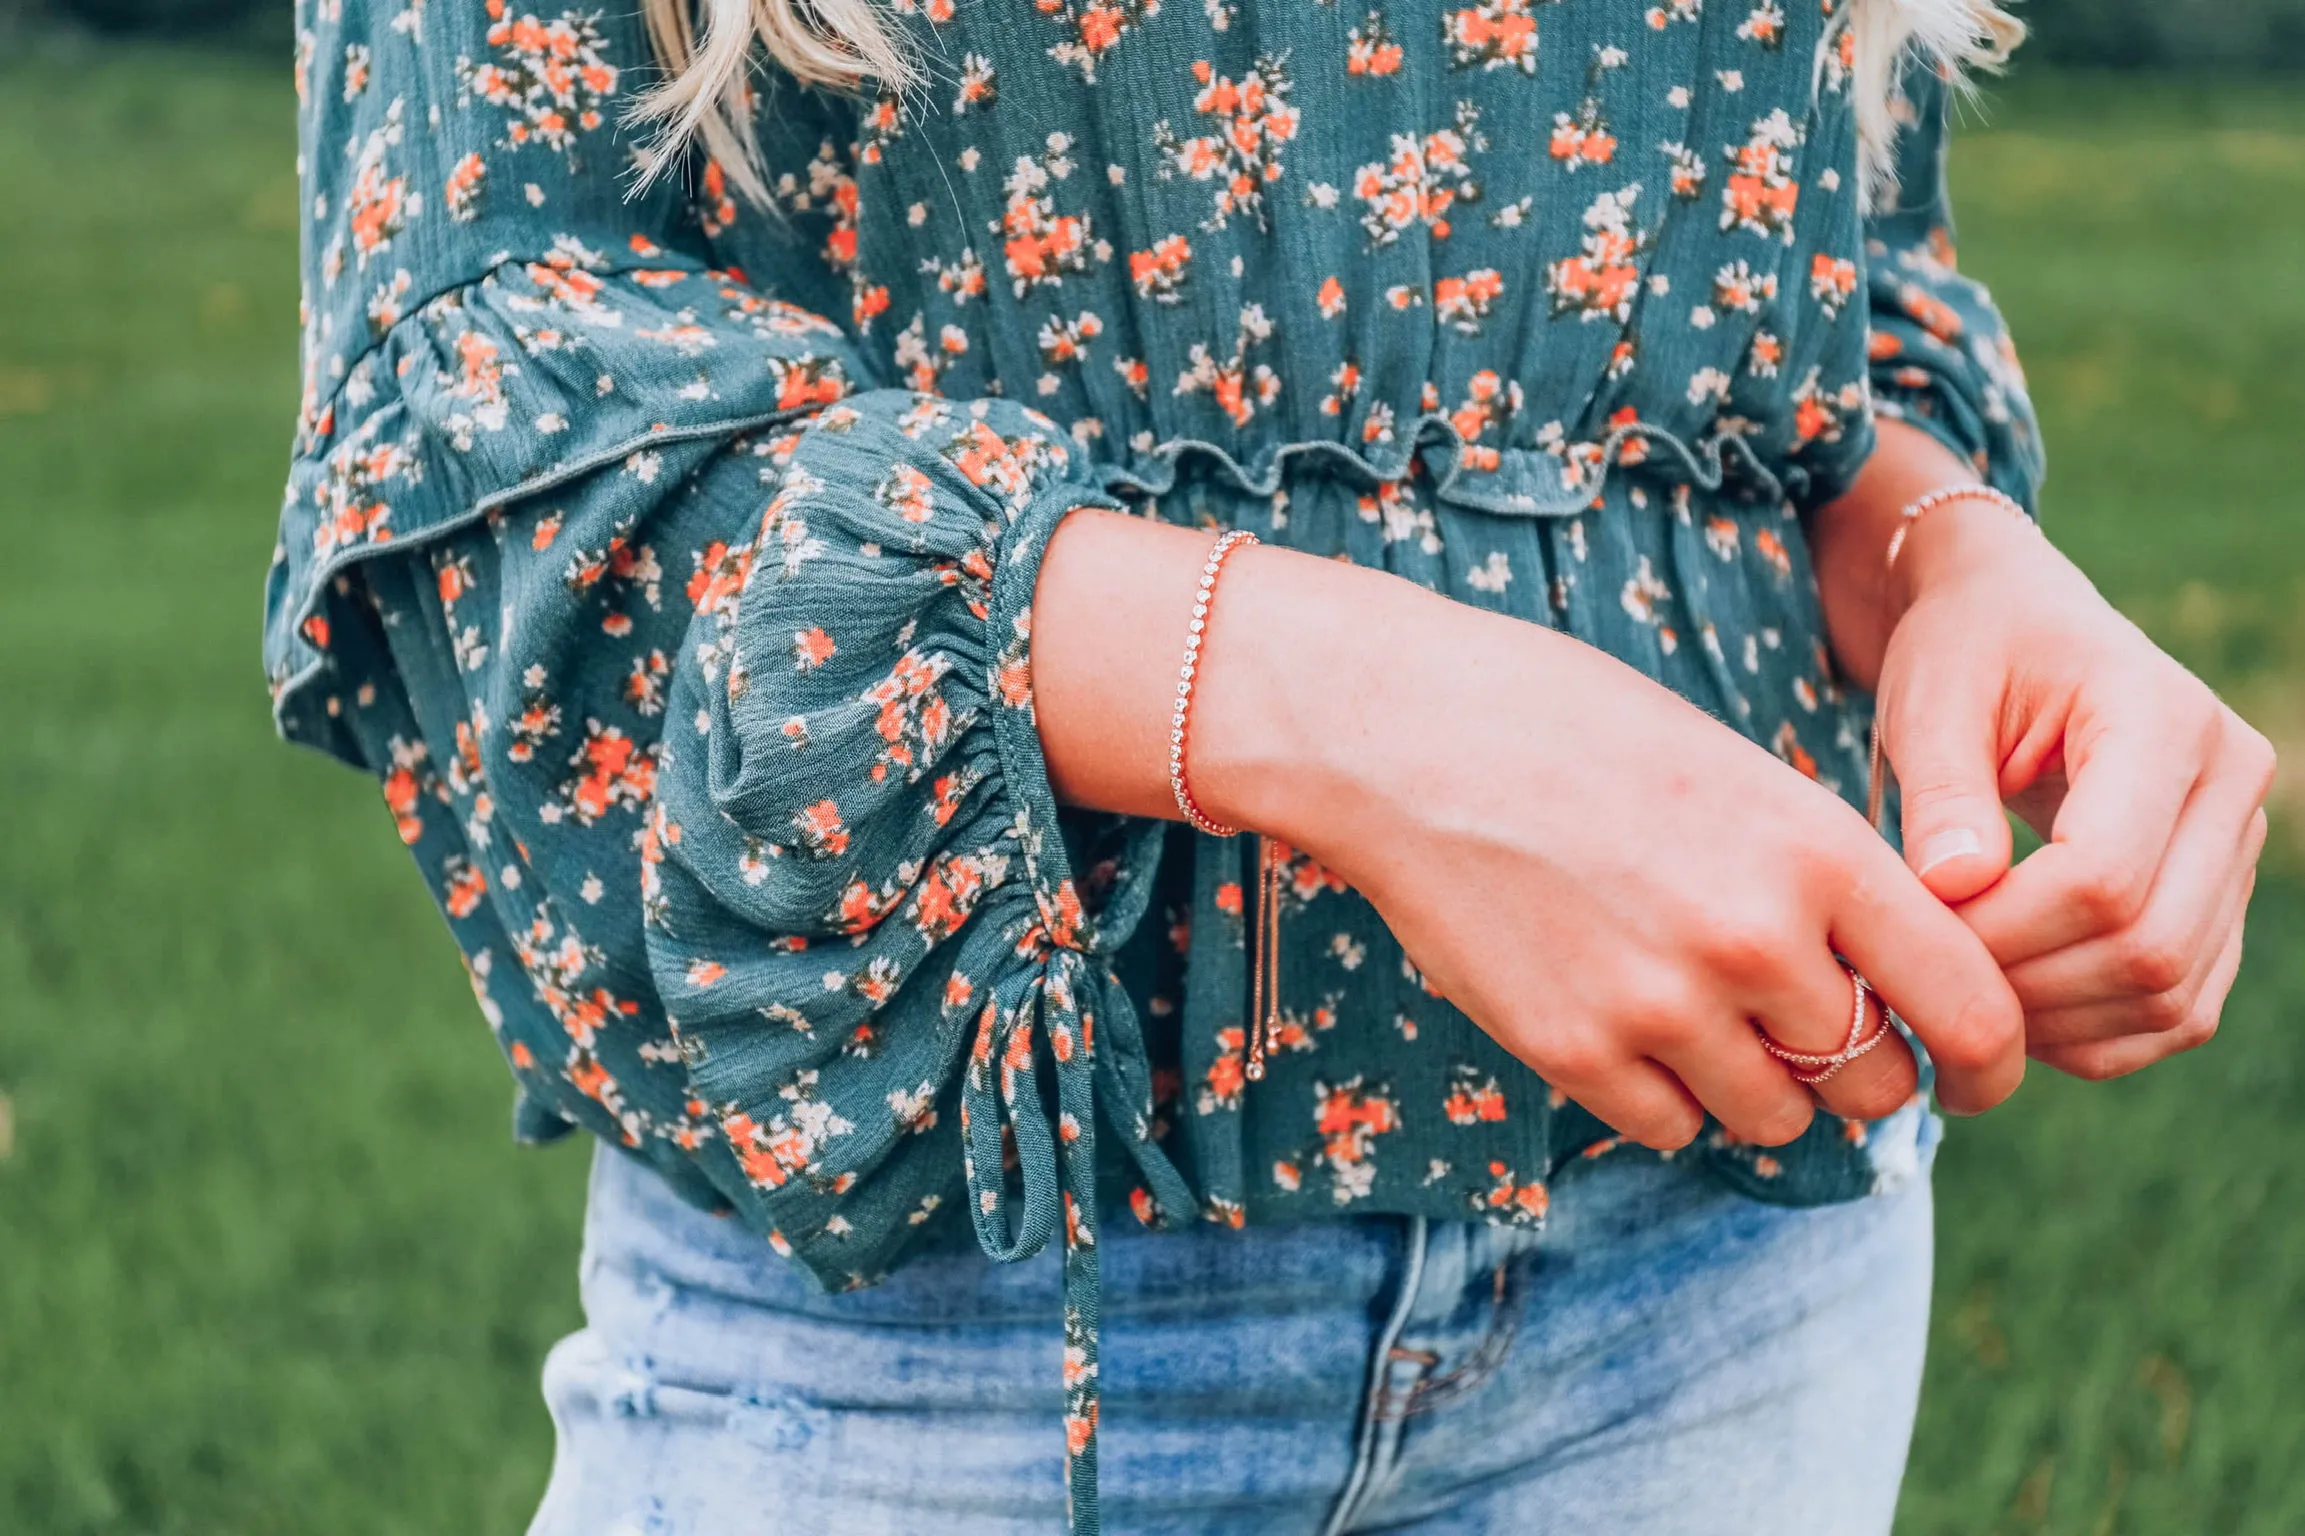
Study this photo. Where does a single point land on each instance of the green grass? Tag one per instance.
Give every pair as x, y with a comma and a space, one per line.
268, 1262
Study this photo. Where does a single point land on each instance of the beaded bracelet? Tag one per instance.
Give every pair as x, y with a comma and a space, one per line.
1920, 506
1913, 512
1180, 721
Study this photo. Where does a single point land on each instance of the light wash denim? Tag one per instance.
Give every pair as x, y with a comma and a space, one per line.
1666, 1356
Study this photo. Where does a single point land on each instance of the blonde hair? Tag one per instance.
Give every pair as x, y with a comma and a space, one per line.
707, 93
1958, 37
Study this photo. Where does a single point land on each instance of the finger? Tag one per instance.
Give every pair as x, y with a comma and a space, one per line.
1810, 1012
2150, 1015
1934, 972
1878, 1083
2183, 923
2131, 776
1940, 730
1742, 1085
1640, 1101
2104, 1059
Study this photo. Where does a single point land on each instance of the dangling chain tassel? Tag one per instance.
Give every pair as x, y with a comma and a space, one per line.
1265, 988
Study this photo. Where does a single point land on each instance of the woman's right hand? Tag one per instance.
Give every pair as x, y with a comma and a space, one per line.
1609, 881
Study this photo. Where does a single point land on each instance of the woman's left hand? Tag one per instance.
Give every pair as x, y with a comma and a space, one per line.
2007, 678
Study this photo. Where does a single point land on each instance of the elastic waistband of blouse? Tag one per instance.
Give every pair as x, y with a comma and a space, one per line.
1561, 479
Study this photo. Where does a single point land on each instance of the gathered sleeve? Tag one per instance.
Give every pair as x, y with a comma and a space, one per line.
1941, 356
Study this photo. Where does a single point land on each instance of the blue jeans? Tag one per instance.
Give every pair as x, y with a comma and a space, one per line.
1665, 1357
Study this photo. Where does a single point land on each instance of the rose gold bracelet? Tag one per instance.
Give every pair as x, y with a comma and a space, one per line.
1913, 512
1180, 721
1921, 506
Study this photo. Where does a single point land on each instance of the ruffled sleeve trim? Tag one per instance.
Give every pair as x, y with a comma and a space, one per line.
534, 374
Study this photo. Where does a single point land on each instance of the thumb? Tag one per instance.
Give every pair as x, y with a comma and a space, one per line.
1939, 733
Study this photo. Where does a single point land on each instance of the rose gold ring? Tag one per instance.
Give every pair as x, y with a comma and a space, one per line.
1811, 1068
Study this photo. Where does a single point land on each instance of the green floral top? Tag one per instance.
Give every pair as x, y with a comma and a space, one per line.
670, 562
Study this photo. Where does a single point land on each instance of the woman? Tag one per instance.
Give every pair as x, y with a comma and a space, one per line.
790, 721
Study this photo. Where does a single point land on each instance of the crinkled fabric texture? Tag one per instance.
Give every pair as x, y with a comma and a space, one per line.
669, 562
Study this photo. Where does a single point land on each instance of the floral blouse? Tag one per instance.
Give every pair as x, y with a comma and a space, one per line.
670, 561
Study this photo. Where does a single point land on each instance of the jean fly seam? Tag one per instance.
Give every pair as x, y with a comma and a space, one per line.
1380, 1370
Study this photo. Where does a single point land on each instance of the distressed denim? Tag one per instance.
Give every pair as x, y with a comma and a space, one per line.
1665, 1356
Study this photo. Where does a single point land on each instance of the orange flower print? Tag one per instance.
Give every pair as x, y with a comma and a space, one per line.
950, 890
1765, 25
1772, 552
1226, 1078
1739, 289
464, 885
914, 719
1038, 244
790, 1140
379, 204
1583, 138
1818, 412
1494, 34
1424, 178
462, 194
1600, 280
1832, 282
1463, 302
978, 87
406, 785
907, 492
1243, 155
1350, 1118
1508, 1203
1238, 386
1098, 27
716, 208
1765, 355
613, 772
1761, 194
1159, 273
1064, 343
1932, 314
822, 833
1786, 743
1475, 1097
1370, 50
551, 77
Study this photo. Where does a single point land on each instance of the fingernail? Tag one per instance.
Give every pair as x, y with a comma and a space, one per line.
1949, 844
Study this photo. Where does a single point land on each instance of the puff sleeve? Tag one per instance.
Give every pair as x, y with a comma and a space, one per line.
885, 950
1940, 354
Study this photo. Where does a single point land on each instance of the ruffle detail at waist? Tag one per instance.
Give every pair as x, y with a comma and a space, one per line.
1546, 479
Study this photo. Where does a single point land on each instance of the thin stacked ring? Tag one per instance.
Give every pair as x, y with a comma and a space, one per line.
1811, 1068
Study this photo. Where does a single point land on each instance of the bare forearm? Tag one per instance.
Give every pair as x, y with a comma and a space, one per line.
1297, 655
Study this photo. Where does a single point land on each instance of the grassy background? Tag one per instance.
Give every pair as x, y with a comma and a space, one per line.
264, 1247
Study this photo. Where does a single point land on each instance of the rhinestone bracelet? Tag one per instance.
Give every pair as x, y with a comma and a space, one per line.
1180, 721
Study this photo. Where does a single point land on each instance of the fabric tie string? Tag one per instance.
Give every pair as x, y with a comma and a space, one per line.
1004, 1107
